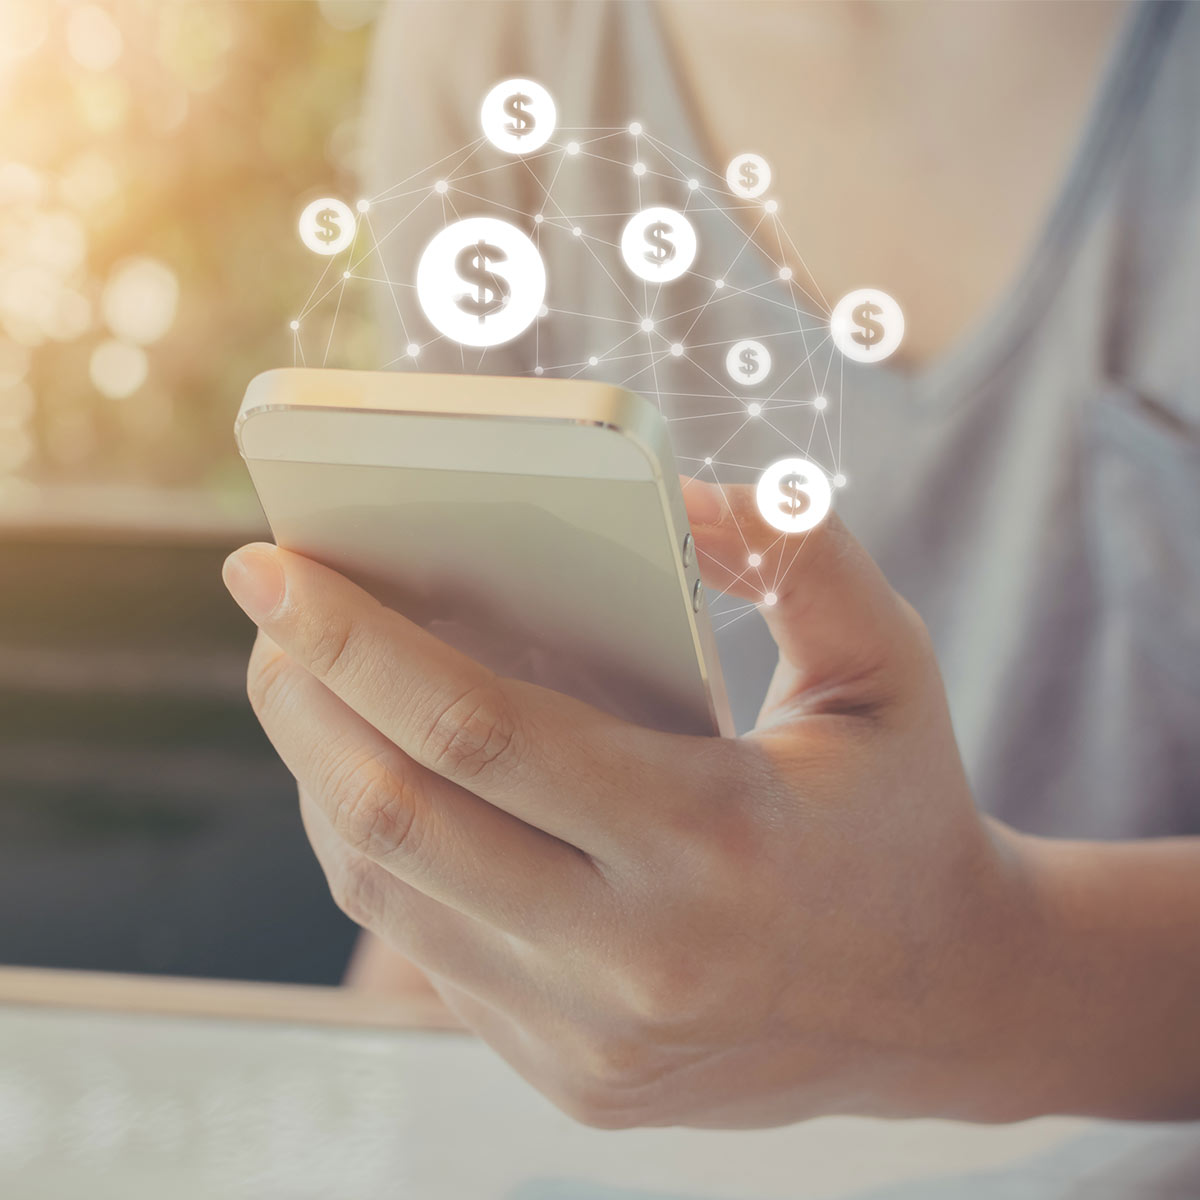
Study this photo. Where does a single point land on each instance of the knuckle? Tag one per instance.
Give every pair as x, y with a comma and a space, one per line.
594, 1111
265, 681
354, 886
330, 640
917, 628
611, 1064
475, 733
371, 809
717, 840
669, 993
609, 1080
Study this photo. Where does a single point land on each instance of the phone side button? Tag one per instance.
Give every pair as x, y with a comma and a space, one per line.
687, 550
697, 596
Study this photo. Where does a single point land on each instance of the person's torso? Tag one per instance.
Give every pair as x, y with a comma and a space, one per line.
1035, 493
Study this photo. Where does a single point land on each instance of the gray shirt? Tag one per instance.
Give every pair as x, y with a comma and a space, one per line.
1035, 493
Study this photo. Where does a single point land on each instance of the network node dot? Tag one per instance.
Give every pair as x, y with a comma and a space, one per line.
577, 232
820, 403
772, 206
294, 324
639, 168
412, 350
572, 147
538, 218
635, 128
708, 462
770, 599
720, 283
693, 184
755, 560
647, 325
785, 272
539, 370
754, 409
839, 480
363, 205
593, 361
677, 350
544, 311
441, 186
345, 274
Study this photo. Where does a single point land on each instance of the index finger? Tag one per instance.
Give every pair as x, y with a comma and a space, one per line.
570, 769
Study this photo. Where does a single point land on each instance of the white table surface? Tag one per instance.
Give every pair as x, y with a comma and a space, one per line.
128, 1105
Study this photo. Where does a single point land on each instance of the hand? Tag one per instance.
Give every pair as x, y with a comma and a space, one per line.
659, 929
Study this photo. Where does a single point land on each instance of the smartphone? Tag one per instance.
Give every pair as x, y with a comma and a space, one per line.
535, 524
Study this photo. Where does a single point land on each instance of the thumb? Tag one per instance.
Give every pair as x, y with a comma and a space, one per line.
828, 606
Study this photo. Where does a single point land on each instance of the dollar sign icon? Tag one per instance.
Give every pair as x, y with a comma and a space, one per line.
870, 331
867, 325
658, 244
796, 496
748, 363
793, 495
662, 250
327, 226
523, 121
748, 175
491, 290
328, 229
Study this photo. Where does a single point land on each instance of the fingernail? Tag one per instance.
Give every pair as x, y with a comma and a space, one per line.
255, 580
704, 503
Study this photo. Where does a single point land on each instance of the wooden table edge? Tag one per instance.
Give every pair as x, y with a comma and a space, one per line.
235, 1000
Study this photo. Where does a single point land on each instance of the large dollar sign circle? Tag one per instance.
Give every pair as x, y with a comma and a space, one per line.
658, 244
327, 226
867, 325
748, 176
481, 281
518, 116
793, 495
748, 363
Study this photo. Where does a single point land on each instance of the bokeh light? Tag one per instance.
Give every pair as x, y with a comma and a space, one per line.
23, 27
140, 299
150, 160
93, 37
118, 369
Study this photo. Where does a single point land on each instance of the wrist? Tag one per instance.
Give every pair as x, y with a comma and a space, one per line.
1103, 972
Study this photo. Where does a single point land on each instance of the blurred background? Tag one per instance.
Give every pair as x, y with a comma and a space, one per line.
153, 159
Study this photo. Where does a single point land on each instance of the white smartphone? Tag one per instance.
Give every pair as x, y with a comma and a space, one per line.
536, 524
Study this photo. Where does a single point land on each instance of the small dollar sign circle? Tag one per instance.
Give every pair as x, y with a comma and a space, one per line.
796, 497
491, 290
328, 229
662, 249
327, 226
518, 116
869, 331
658, 244
523, 122
793, 495
866, 325
748, 176
748, 363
